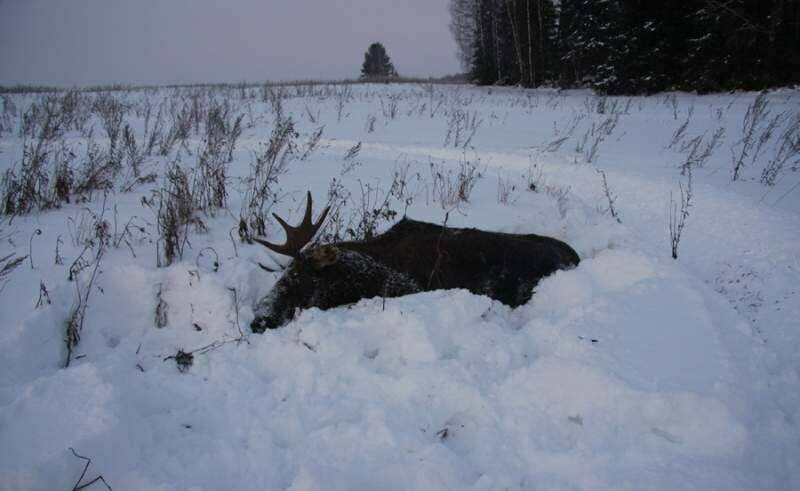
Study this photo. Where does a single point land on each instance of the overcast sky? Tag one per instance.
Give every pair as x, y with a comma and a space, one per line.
80, 42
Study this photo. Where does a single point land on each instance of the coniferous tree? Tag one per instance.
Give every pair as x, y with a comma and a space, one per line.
631, 46
377, 63
484, 63
550, 50
743, 44
569, 70
706, 62
651, 48
594, 42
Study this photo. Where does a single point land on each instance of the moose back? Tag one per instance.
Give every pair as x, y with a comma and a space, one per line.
410, 257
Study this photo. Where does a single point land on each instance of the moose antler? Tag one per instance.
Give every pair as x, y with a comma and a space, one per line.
296, 237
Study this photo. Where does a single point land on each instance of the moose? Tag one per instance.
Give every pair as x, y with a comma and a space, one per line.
410, 257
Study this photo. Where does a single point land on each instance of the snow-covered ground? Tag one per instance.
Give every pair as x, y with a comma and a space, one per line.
632, 371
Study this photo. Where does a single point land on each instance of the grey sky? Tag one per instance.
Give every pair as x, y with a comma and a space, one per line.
79, 42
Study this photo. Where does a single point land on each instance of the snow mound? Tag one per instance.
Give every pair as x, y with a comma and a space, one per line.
585, 387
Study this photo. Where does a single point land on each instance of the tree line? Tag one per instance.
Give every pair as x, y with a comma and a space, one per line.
630, 46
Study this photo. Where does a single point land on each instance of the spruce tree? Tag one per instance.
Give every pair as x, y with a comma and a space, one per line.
594, 42
569, 71
483, 68
377, 63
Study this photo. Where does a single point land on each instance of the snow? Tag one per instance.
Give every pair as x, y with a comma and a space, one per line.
630, 371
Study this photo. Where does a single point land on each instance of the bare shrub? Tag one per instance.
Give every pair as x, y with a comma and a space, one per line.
8, 263
274, 96
97, 171
63, 178
591, 153
389, 109
312, 143
350, 159
179, 130
75, 110
111, 113
555, 145
43, 120
337, 224
311, 116
209, 186
210, 178
757, 130
374, 208
787, 153
678, 213
21, 193
222, 130
342, 96
461, 128
38, 182
608, 125
133, 154
85, 284
610, 197
269, 164
711, 146
175, 209
153, 134
505, 190
678, 134
353, 152
449, 188
32, 186
594, 136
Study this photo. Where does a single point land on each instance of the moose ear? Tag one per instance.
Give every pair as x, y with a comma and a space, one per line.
323, 256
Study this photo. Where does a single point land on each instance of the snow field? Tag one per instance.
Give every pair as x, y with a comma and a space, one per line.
631, 371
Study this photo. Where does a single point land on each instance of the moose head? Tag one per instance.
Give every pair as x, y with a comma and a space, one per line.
410, 257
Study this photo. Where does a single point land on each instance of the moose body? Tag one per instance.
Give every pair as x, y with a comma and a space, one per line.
410, 257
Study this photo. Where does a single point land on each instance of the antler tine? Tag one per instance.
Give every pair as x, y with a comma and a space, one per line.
307, 216
296, 237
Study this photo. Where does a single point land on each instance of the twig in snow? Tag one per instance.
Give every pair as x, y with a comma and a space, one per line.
30, 245
78, 486
216, 257
236, 310
609, 196
235, 249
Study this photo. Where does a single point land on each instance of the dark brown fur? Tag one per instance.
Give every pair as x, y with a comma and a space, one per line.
410, 257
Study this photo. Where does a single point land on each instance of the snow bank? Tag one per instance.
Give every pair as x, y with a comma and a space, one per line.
597, 383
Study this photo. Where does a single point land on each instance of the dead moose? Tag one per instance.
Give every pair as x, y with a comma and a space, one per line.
410, 257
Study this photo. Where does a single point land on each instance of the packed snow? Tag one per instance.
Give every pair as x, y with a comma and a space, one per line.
631, 371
